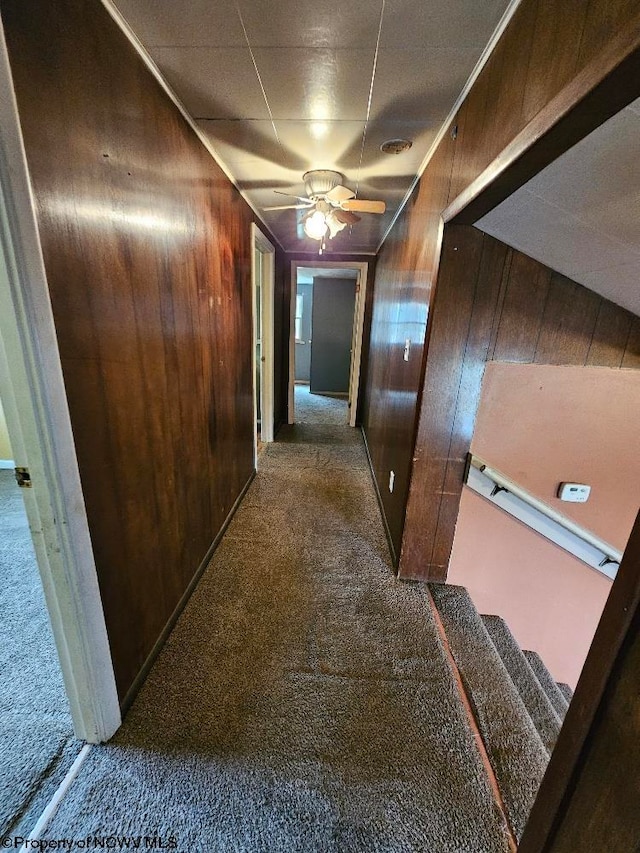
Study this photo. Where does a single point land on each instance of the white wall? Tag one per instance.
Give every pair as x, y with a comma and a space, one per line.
5, 445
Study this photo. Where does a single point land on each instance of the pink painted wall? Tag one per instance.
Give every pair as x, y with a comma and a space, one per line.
540, 425
543, 424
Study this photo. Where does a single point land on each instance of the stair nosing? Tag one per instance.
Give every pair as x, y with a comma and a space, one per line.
547, 682
545, 718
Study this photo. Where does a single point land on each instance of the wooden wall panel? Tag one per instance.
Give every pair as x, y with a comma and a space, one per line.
147, 252
492, 303
522, 309
613, 325
603, 22
405, 271
554, 52
547, 43
471, 274
568, 323
631, 357
548, 48
493, 108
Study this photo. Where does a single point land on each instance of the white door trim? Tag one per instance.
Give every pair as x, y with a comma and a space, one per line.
358, 329
39, 426
268, 252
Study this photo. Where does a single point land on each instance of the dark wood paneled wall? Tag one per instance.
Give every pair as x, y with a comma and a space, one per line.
544, 50
546, 46
405, 273
492, 303
148, 257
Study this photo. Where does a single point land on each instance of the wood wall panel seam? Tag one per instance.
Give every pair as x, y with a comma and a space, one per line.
500, 305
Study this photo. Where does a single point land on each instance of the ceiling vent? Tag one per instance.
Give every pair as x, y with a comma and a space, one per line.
396, 146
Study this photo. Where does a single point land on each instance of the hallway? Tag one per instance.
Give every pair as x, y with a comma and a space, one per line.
304, 701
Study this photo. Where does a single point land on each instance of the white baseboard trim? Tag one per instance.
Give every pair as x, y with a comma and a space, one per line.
7, 464
52, 806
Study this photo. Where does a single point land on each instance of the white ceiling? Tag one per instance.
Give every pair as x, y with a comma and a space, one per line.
283, 87
581, 215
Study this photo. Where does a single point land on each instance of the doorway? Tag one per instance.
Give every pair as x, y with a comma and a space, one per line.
37, 742
327, 320
262, 278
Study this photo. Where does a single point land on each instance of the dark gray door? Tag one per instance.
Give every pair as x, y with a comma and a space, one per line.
304, 301
331, 331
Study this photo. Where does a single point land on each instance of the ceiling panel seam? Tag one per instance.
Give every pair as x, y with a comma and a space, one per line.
255, 66
144, 55
373, 77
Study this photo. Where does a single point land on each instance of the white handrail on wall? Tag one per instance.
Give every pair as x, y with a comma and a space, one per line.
542, 518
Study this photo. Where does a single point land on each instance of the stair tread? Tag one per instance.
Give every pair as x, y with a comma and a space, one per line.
536, 701
547, 681
514, 747
566, 691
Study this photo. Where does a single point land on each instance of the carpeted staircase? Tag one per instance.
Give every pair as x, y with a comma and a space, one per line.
517, 706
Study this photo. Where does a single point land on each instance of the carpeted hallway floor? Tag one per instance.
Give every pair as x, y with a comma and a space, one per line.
318, 408
36, 736
304, 701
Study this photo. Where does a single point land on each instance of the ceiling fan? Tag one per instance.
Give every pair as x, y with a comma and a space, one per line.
330, 206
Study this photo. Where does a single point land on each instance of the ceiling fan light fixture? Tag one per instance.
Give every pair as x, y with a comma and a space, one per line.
315, 226
335, 224
319, 182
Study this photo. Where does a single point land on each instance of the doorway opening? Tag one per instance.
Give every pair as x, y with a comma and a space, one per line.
325, 345
262, 278
37, 741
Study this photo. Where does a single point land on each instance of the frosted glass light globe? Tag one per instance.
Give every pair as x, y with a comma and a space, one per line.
316, 225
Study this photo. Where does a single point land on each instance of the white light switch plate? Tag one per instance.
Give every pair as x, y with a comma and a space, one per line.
577, 493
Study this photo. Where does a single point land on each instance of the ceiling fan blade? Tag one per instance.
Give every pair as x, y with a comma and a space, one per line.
291, 195
339, 193
288, 207
363, 206
346, 216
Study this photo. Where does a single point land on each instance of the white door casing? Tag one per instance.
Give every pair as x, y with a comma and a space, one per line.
34, 398
358, 331
261, 244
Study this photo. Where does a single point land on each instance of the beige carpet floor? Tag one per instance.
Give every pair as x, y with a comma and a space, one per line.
303, 702
319, 408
